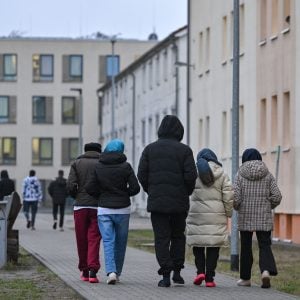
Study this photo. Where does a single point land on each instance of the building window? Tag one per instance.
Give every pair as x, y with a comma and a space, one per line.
207, 131
263, 20
207, 48
157, 69
8, 109
109, 65
150, 72
42, 110
72, 68
70, 110
274, 122
42, 151
42, 66
157, 120
224, 134
231, 35
224, 39
241, 127
165, 63
263, 123
70, 147
200, 134
286, 120
144, 78
8, 150
286, 14
201, 51
8, 67
274, 28
242, 28
150, 129
143, 132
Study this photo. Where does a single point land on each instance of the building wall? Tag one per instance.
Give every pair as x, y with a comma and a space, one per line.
24, 88
155, 97
268, 91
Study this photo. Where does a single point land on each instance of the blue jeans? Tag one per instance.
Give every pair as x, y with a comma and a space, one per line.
114, 232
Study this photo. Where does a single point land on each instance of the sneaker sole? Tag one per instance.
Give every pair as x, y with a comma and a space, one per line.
266, 283
112, 281
93, 280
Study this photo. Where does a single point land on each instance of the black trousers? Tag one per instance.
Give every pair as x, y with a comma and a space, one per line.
206, 264
61, 213
266, 258
169, 239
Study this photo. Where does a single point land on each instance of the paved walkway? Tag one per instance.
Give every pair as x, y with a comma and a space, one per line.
57, 251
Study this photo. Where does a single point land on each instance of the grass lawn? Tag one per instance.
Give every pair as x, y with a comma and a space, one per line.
287, 258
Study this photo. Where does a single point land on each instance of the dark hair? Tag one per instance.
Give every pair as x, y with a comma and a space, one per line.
92, 147
251, 154
32, 173
60, 173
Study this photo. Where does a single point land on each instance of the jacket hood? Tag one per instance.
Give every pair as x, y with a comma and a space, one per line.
171, 127
4, 174
251, 154
112, 158
253, 170
217, 170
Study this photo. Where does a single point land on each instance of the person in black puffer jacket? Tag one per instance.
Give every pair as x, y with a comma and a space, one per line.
167, 173
58, 191
7, 186
113, 182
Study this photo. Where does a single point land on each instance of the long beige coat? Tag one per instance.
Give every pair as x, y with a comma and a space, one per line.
209, 209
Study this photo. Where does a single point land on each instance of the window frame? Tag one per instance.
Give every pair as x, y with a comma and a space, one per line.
10, 76
72, 56
63, 117
42, 161
10, 160
3, 118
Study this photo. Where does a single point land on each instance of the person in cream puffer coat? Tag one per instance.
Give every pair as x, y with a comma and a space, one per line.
210, 205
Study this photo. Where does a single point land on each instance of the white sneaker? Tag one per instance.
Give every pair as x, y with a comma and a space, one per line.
112, 278
118, 279
243, 282
265, 280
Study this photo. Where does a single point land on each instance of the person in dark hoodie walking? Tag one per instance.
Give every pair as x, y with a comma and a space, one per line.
167, 173
7, 186
58, 191
85, 212
255, 195
114, 182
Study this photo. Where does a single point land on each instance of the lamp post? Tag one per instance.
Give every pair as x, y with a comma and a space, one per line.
113, 41
100, 98
235, 130
80, 144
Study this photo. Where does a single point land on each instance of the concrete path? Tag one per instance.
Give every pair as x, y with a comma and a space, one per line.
57, 251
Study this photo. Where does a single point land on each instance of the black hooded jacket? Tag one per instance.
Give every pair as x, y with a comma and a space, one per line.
7, 186
167, 170
113, 181
58, 190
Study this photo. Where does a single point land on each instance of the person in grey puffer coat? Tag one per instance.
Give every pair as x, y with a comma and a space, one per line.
255, 195
210, 208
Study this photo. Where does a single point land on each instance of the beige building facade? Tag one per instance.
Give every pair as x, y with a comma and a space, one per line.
39, 114
269, 109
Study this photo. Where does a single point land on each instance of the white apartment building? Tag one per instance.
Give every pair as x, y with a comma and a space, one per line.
39, 114
269, 102
147, 90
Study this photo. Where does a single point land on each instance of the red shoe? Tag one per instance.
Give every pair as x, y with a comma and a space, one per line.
93, 277
199, 278
84, 276
210, 284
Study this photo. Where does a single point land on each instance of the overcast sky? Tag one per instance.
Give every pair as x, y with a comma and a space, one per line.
74, 18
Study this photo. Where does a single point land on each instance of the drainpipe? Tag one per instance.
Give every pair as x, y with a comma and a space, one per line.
188, 75
175, 49
133, 120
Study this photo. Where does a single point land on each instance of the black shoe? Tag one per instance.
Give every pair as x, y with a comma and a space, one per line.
177, 278
28, 224
165, 282
54, 225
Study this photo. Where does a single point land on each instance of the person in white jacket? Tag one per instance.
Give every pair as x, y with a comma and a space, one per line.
32, 194
210, 205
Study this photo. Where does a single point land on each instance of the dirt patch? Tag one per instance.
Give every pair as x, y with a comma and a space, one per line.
29, 279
